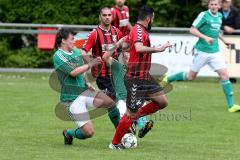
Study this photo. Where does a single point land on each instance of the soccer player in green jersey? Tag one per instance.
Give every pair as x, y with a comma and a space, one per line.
207, 28
77, 95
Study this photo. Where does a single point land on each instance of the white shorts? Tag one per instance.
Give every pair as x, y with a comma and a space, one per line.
214, 60
79, 108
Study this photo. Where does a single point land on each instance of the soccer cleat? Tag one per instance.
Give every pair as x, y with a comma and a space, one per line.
148, 126
133, 128
234, 108
165, 78
67, 139
116, 146
164, 83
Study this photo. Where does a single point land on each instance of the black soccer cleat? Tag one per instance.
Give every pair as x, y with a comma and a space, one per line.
148, 126
133, 128
68, 140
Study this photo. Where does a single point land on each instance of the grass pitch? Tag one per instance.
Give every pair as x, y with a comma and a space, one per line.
195, 126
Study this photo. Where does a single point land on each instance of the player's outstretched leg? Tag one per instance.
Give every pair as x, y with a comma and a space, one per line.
122, 128
181, 76
113, 112
81, 117
70, 134
83, 132
228, 90
114, 115
140, 124
159, 101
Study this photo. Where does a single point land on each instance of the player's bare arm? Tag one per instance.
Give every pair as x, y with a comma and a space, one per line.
198, 34
141, 48
107, 57
82, 69
120, 44
226, 42
86, 57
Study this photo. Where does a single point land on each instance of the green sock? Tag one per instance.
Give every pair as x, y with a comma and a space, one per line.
181, 76
228, 91
114, 115
76, 133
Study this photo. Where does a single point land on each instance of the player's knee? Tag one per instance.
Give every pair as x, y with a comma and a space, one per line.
191, 77
89, 133
224, 77
104, 103
109, 102
97, 102
163, 104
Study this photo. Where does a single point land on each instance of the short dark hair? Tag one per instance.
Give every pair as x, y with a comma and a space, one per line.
145, 12
63, 34
103, 8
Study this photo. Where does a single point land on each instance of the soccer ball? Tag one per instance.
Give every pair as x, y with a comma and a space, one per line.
129, 140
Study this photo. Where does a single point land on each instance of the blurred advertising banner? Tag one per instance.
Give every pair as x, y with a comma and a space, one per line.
180, 56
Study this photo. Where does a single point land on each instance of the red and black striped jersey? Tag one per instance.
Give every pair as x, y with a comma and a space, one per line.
139, 64
98, 40
121, 19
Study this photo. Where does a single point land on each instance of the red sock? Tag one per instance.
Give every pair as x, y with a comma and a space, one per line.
122, 128
149, 108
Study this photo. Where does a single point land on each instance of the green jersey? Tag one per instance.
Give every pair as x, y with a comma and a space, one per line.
118, 73
209, 25
64, 64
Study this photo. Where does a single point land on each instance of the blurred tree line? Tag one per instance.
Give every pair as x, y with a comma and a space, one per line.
168, 13
179, 13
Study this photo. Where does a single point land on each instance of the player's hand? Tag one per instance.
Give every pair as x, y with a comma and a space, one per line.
163, 47
228, 29
209, 40
125, 46
90, 86
228, 43
167, 45
111, 47
95, 61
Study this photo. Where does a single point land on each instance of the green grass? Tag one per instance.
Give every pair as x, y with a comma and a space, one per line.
195, 126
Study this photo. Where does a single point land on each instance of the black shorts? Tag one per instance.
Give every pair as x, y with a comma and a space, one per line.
138, 91
105, 84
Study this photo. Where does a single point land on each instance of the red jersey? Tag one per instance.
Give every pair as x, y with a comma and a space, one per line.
98, 40
139, 64
121, 19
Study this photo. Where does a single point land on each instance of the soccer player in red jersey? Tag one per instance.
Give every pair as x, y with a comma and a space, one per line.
120, 16
99, 40
138, 81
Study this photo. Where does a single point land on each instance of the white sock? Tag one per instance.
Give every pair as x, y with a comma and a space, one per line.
121, 105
